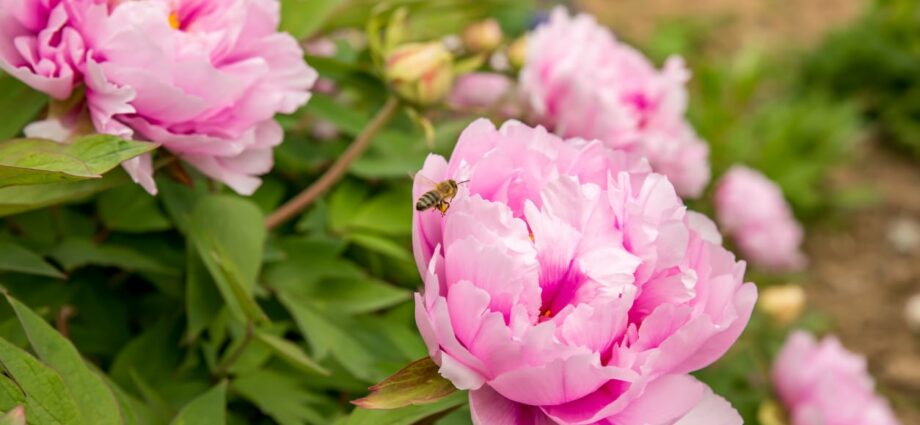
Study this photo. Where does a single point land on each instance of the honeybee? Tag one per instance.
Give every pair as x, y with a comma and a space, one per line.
439, 197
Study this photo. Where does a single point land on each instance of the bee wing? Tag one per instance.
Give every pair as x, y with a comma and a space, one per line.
425, 180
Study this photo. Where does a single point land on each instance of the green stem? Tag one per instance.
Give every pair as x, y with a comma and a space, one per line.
224, 366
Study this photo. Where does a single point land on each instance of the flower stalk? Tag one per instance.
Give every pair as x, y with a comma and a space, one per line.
338, 169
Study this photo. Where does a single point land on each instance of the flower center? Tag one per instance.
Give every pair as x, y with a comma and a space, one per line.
174, 21
560, 288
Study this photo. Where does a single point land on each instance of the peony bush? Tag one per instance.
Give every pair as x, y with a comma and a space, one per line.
546, 263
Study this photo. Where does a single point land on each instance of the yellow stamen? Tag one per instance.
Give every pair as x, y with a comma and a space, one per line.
174, 20
547, 313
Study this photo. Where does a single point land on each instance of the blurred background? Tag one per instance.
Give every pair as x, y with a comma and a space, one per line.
824, 97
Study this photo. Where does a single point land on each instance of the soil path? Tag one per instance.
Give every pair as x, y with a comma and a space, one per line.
862, 276
742, 21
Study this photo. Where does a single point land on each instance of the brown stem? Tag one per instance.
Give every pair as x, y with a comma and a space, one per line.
336, 171
62, 321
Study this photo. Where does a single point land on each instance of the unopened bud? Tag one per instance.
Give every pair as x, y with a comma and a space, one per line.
421, 73
912, 312
483, 37
517, 52
783, 303
771, 413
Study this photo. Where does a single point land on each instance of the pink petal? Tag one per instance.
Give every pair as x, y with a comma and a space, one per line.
558, 382
490, 408
664, 400
140, 168
711, 410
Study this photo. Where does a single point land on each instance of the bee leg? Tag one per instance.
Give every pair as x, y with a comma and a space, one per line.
443, 207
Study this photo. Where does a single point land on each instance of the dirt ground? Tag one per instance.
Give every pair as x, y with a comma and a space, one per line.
772, 22
863, 266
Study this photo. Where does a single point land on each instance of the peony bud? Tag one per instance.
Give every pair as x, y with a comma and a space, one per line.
783, 303
484, 36
422, 73
771, 413
912, 312
517, 52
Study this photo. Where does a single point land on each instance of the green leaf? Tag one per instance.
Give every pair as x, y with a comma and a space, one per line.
151, 356
208, 408
179, 201
202, 299
328, 334
354, 295
47, 398
11, 394
75, 253
398, 326
253, 355
389, 214
20, 105
130, 209
307, 261
40, 161
290, 352
17, 199
229, 234
380, 245
406, 415
278, 395
17, 416
459, 416
92, 395
345, 119
15, 258
133, 410
344, 204
302, 18
269, 195
159, 408
399, 154
416, 384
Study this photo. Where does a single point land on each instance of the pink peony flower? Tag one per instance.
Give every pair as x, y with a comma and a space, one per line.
821, 383
204, 78
39, 46
480, 90
582, 82
751, 208
324, 48
568, 284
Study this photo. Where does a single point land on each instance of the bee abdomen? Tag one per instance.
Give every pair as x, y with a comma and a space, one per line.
426, 201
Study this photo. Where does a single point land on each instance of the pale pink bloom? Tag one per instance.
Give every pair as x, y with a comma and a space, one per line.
582, 82
568, 284
203, 78
484, 91
752, 210
323, 47
821, 383
326, 48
